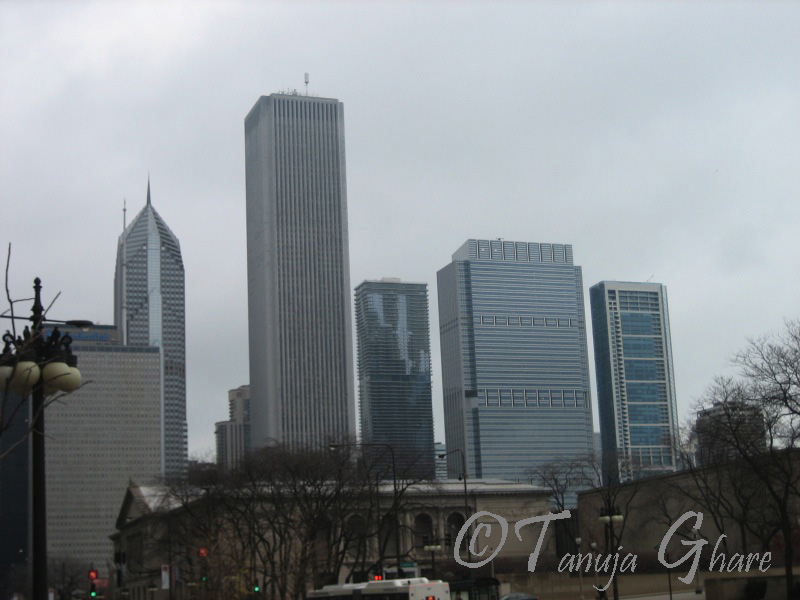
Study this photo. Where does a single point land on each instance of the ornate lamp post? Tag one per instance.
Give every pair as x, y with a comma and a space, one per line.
395, 502
463, 477
609, 516
40, 366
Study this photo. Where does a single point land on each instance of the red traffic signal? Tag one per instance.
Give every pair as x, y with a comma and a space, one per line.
92, 574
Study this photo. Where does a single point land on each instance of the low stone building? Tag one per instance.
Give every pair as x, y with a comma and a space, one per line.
191, 544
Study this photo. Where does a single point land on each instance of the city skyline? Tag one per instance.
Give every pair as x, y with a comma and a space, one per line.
298, 273
668, 128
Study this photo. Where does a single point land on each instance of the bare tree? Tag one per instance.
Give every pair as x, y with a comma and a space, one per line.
755, 424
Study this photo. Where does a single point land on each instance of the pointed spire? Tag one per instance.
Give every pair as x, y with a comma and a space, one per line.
148, 190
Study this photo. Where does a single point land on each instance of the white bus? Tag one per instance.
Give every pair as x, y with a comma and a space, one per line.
417, 588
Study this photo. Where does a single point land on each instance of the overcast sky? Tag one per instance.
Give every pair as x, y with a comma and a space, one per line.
660, 139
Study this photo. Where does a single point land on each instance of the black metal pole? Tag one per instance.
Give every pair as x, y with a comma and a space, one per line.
614, 548
38, 475
669, 577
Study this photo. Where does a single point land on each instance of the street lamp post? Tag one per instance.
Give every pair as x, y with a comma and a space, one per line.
593, 546
40, 366
580, 569
433, 548
466, 498
699, 586
394, 510
609, 516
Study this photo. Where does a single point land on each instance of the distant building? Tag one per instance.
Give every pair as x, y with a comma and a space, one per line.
514, 358
233, 435
301, 363
98, 438
635, 376
394, 371
440, 463
14, 488
149, 310
725, 429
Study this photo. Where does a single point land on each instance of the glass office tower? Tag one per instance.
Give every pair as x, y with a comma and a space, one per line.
635, 376
298, 273
514, 358
149, 309
394, 371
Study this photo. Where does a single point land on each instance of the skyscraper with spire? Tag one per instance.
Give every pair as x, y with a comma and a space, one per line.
149, 310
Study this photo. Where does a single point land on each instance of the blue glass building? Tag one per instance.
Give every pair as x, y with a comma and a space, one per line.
394, 371
515, 367
635, 376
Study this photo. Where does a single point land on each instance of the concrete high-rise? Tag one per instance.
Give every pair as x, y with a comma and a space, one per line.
233, 435
394, 371
635, 376
301, 364
98, 439
149, 310
514, 358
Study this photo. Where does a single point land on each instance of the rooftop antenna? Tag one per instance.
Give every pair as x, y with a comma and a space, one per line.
306, 78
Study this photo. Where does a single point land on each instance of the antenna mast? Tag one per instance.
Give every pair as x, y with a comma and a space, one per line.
306, 84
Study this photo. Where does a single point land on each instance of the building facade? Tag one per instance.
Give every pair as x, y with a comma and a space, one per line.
149, 310
394, 371
726, 430
98, 438
233, 435
301, 364
514, 358
635, 375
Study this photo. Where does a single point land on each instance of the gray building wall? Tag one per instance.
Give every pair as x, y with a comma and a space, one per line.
233, 435
301, 371
149, 309
514, 358
98, 439
635, 375
394, 371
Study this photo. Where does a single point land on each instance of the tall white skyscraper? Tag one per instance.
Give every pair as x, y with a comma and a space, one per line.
635, 375
301, 372
149, 305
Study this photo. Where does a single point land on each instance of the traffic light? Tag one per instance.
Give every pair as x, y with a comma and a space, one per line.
92, 584
256, 588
